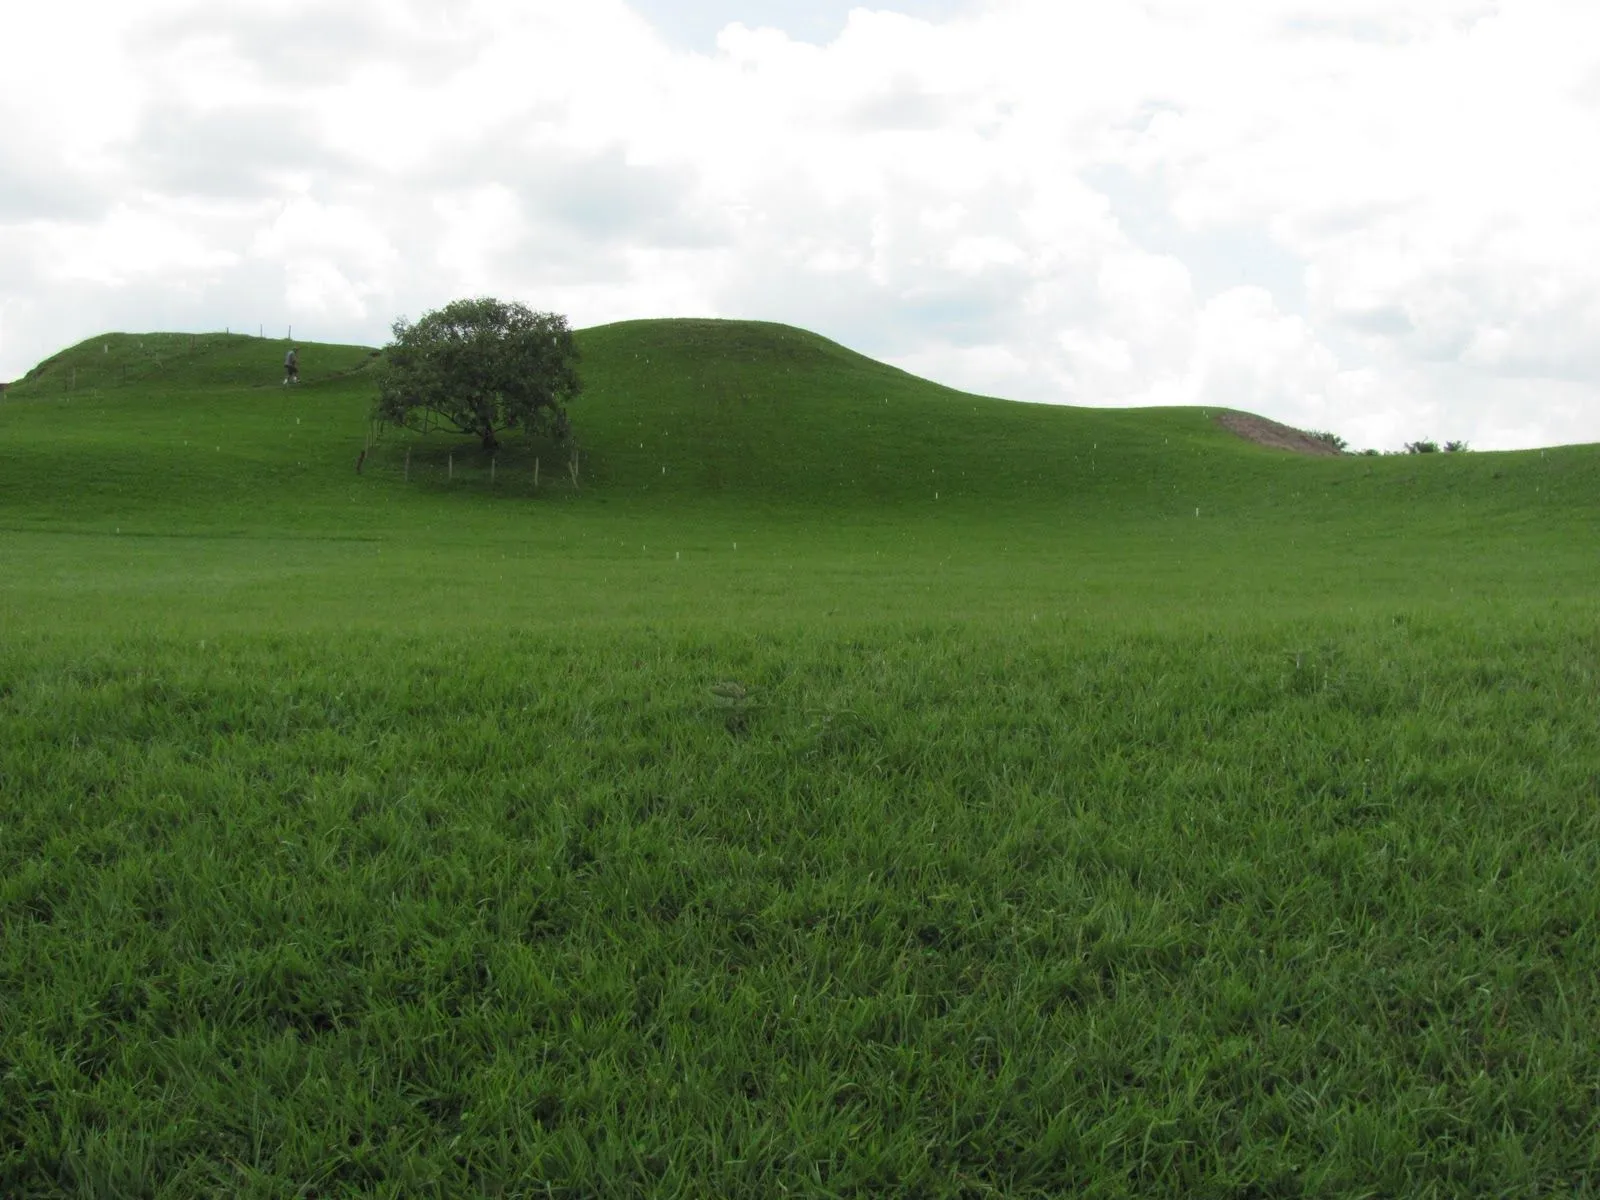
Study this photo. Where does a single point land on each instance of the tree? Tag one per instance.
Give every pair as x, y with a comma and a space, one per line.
1455, 447
482, 367
1422, 447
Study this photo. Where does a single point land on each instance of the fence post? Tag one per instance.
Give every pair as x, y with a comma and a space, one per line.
408, 464
450, 467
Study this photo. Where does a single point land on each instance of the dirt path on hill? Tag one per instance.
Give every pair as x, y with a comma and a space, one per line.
1270, 433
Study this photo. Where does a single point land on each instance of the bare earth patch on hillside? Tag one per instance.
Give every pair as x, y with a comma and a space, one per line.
1270, 433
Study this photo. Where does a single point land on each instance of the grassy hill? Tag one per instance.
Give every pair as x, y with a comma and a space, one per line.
700, 435
852, 788
710, 410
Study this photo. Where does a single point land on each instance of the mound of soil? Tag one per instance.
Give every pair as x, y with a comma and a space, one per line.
1269, 433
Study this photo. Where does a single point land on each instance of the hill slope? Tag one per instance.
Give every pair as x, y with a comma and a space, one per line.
173, 431
755, 409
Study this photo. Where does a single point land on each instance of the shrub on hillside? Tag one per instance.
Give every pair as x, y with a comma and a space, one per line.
1331, 439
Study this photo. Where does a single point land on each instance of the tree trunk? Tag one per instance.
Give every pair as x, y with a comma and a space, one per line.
490, 442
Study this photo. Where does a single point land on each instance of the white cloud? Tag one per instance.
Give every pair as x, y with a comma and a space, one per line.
1252, 356
132, 245
1374, 217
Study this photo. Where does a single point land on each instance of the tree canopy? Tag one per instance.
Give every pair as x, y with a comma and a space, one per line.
481, 367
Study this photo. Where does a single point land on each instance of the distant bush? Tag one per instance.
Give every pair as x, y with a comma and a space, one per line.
1455, 447
1423, 447
1331, 439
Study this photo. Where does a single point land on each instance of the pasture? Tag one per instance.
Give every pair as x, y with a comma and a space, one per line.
844, 787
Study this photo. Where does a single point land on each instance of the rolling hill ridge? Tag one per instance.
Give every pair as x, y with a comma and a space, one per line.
196, 429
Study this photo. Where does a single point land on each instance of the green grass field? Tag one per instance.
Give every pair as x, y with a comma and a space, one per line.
848, 787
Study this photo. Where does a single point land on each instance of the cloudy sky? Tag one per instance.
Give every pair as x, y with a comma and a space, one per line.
1379, 217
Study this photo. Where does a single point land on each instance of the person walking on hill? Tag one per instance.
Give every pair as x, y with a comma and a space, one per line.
291, 366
